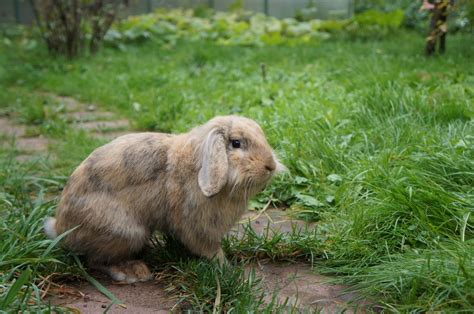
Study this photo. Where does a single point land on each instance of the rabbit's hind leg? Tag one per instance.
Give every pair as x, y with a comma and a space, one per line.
115, 255
128, 272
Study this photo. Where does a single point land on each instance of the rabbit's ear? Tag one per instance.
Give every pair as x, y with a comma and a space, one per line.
213, 173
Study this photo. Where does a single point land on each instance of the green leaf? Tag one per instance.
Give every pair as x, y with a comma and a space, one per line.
330, 199
334, 178
308, 200
300, 180
15, 289
55, 241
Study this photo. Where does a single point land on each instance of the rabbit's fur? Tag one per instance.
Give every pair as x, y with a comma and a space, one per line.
193, 186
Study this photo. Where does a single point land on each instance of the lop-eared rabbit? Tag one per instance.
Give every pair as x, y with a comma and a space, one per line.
193, 186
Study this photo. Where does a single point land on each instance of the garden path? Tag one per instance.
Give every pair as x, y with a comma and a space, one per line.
295, 282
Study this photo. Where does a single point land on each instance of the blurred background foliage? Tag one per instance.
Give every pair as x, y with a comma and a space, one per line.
373, 19
462, 15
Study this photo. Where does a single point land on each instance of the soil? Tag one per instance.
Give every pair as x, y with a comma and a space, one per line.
301, 287
296, 283
144, 297
269, 221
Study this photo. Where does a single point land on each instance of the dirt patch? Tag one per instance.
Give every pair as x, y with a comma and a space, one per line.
300, 287
268, 222
146, 297
294, 284
297, 283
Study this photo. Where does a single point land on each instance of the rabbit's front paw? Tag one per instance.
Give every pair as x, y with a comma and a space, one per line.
220, 258
128, 272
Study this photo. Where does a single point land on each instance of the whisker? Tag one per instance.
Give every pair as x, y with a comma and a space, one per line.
234, 187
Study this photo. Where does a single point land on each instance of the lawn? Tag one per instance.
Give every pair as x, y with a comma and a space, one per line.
379, 141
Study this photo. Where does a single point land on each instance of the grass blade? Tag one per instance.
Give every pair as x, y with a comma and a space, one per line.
98, 285
56, 241
217, 301
15, 289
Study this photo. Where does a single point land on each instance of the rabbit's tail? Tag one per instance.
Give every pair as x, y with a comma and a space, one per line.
50, 227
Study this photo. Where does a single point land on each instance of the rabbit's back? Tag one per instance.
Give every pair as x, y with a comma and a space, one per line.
116, 188
128, 161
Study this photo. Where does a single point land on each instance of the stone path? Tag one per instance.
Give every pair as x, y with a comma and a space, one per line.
295, 282
27, 146
99, 124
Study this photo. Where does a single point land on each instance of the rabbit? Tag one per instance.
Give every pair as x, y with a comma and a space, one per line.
194, 186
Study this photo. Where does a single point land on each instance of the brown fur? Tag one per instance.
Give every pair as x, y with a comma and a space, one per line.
194, 186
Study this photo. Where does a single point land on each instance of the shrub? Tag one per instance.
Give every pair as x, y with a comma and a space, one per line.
369, 24
461, 15
64, 24
246, 28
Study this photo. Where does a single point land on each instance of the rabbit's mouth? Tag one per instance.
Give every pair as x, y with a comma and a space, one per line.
267, 177
262, 188
253, 187
251, 184
259, 187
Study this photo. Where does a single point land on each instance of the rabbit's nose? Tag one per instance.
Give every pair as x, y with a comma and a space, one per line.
270, 166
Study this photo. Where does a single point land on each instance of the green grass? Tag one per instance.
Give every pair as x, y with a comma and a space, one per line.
198, 285
379, 141
25, 253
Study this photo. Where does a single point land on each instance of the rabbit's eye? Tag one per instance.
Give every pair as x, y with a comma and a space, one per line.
235, 143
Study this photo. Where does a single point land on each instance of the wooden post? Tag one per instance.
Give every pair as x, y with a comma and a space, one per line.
438, 27
350, 8
148, 6
265, 6
16, 5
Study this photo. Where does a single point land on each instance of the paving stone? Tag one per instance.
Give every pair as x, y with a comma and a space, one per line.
104, 125
70, 104
7, 127
110, 135
25, 144
32, 144
86, 116
25, 158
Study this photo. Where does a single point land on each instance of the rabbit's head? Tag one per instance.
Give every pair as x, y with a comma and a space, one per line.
234, 156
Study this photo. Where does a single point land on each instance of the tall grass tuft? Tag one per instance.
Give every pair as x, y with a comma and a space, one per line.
27, 257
